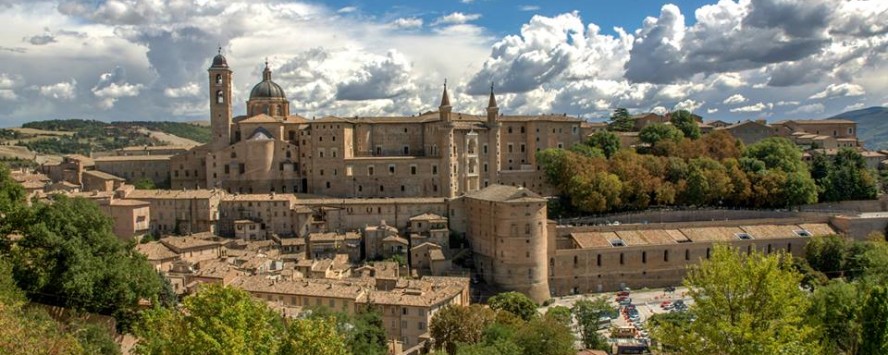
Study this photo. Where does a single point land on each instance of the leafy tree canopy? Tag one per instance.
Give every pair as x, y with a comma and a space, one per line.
516, 303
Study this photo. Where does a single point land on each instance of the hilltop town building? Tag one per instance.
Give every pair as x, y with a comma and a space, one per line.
441, 153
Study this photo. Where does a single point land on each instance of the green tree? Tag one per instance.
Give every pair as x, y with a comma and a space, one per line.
743, 304
587, 150
608, 142
545, 336
29, 330
654, 133
587, 313
94, 339
497, 339
686, 122
313, 336
828, 254
456, 324
69, 257
777, 153
559, 313
846, 178
364, 332
621, 121
216, 320
516, 303
595, 191
835, 309
144, 184
874, 337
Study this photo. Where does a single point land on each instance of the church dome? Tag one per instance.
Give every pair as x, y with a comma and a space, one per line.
267, 89
219, 61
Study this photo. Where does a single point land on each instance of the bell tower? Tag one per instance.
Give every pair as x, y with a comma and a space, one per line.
220, 101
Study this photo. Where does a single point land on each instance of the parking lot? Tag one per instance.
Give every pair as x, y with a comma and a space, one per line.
645, 302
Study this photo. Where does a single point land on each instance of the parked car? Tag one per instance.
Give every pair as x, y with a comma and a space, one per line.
665, 304
623, 293
621, 298
626, 302
669, 289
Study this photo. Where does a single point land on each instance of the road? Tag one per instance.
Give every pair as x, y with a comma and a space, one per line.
646, 301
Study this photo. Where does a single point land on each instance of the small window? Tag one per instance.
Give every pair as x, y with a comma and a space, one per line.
413, 170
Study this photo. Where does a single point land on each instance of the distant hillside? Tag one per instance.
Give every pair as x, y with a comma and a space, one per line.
872, 125
87, 136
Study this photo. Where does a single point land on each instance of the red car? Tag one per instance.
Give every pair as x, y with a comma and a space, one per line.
665, 304
623, 293
621, 298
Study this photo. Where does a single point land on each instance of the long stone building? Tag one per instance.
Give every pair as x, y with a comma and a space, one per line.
436, 153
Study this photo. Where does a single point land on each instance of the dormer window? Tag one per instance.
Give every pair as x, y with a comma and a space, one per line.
743, 236
802, 233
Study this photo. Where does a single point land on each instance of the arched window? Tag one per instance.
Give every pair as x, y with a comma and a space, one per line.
220, 98
218, 78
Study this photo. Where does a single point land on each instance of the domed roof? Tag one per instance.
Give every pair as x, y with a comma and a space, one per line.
219, 60
267, 89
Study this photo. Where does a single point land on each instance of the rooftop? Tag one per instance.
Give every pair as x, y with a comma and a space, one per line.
115, 158
103, 175
189, 242
504, 193
156, 251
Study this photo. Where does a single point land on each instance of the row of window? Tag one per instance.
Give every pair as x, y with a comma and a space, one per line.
687, 255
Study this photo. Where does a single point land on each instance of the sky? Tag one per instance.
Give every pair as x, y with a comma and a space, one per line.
730, 60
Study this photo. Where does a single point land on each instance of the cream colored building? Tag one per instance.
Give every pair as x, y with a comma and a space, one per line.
436, 153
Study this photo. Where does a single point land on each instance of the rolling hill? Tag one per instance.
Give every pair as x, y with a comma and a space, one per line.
872, 125
59, 137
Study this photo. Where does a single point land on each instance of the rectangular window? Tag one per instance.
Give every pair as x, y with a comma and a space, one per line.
434, 170
413, 170
391, 169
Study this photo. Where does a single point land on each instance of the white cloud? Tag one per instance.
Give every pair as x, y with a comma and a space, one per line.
855, 106
347, 9
189, 90
784, 50
711, 111
528, 8
382, 78
689, 105
839, 90
407, 22
456, 18
113, 86
466, 1
734, 99
8, 95
8, 83
808, 109
752, 108
63, 91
